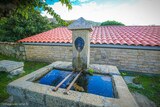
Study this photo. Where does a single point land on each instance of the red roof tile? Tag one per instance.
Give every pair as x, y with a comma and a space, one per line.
123, 35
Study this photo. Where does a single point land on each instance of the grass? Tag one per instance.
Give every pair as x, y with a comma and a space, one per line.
151, 86
4, 80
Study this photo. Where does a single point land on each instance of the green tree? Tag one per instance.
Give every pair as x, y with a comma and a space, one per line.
111, 23
8, 7
17, 27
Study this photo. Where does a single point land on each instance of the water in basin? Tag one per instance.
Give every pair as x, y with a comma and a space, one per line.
95, 84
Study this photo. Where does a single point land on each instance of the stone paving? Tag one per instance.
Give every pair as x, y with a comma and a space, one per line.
12, 67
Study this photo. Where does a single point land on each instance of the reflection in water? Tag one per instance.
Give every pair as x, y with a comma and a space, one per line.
96, 84
54, 77
104, 78
100, 85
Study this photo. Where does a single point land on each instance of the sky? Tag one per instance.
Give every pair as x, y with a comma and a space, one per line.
129, 12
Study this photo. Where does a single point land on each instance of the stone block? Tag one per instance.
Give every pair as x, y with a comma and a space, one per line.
16, 91
16, 88
17, 71
119, 82
113, 70
21, 48
91, 100
36, 93
58, 99
19, 102
98, 68
33, 104
65, 65
8, 66
123, 93
110, 102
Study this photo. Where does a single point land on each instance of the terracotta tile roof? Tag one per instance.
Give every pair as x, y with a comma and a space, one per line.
122, 35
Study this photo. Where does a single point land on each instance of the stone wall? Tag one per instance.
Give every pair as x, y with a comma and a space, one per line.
48, 53
147, 61
128, 59
13, 49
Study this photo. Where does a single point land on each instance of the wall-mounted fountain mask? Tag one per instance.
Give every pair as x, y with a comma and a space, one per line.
79, 44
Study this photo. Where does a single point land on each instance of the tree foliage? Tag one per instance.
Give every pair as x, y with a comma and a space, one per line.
17, 27
22, 7
111, 23
21, 18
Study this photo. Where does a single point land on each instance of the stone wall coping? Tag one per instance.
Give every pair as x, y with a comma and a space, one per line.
10, 43
155, 48
25, 88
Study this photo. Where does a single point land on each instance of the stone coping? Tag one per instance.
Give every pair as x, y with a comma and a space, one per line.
10, 43
80, 24
42, 95
99, 69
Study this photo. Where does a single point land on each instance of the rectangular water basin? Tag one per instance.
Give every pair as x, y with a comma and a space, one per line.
114, 92
94, 84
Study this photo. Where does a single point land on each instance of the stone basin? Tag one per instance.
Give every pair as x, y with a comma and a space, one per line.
25, 90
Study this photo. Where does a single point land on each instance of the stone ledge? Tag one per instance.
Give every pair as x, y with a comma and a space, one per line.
105, 69
124, 95
101, 69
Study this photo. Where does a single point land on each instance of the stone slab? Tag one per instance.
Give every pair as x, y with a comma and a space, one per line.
129, 80
8, 66
17, 71
63, 65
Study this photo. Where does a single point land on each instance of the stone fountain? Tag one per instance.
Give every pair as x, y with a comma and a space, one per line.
81, 44
29, 91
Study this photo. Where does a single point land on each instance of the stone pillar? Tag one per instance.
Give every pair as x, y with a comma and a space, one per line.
81, 44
